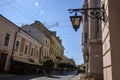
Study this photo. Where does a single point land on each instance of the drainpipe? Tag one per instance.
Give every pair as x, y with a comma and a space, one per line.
14, 41
13, 47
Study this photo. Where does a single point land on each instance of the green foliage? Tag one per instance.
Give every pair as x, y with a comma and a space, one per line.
70, 66
65, 65
62, 65
48, 64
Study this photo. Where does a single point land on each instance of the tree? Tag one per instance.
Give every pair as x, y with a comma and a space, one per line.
62, 65
48, 65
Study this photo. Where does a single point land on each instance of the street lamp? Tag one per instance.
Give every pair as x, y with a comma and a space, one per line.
76, 21
95, 13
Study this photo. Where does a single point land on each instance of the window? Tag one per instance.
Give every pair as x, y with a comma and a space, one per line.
97, 2
17, 46
37, 54
7, 38
32, 52
26, 49
42, 53
46, 53
86, 37
46, 43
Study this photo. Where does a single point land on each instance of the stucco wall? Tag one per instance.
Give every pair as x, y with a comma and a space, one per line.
7, 27
114, 18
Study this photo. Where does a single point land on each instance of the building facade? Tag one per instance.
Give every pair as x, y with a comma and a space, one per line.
67, 60
92, 43
57, 50
22, 50
52, 45
40, 36
39, 32
46, 39
26, 54
8, 32
111, 40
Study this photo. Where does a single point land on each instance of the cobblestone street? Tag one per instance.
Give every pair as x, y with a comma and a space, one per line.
66, 76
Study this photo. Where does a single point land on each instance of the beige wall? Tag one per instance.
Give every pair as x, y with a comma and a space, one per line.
25, 39
7, 27
111, 40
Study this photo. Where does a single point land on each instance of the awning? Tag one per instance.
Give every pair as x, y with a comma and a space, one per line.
20, 59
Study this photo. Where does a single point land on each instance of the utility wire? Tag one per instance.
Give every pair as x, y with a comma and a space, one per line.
68, 34
7, 3
28, 7
37, 12
23, 10
70, 37
60, 21
18, 8
13, 6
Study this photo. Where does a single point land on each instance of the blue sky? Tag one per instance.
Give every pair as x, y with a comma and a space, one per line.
53, 14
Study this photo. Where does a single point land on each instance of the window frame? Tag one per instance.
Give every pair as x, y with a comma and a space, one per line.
37, 53
26, 50
32, 52
7, 39
17, 46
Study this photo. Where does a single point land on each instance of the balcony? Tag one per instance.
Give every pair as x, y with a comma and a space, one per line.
57, 57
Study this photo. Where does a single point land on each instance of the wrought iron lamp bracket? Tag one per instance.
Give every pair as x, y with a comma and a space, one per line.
95, 13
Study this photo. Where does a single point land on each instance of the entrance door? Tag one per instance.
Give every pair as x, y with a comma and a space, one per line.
3, 58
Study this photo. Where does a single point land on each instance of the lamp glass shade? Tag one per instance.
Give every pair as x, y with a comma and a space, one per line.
76, 21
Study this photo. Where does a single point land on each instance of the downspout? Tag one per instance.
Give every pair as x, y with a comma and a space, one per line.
14, 41
13, 47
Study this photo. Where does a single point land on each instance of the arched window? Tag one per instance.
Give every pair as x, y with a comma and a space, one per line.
26, 49
32, 50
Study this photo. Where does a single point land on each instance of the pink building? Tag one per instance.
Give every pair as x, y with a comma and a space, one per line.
92, 43
8, 32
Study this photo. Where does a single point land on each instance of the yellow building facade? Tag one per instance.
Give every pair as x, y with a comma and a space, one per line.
57, 50
52, 45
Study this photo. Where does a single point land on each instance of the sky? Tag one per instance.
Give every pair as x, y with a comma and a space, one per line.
53, 14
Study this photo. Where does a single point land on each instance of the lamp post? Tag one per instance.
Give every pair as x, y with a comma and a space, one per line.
95, 13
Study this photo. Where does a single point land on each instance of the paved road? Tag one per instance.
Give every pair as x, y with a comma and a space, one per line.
65, 76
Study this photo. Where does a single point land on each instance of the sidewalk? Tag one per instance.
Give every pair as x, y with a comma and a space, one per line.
79, 76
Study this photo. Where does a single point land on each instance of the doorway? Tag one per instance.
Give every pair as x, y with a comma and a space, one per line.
3, 58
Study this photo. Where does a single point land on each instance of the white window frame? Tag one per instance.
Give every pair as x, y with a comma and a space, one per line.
17, 47
37, 54
27, 48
